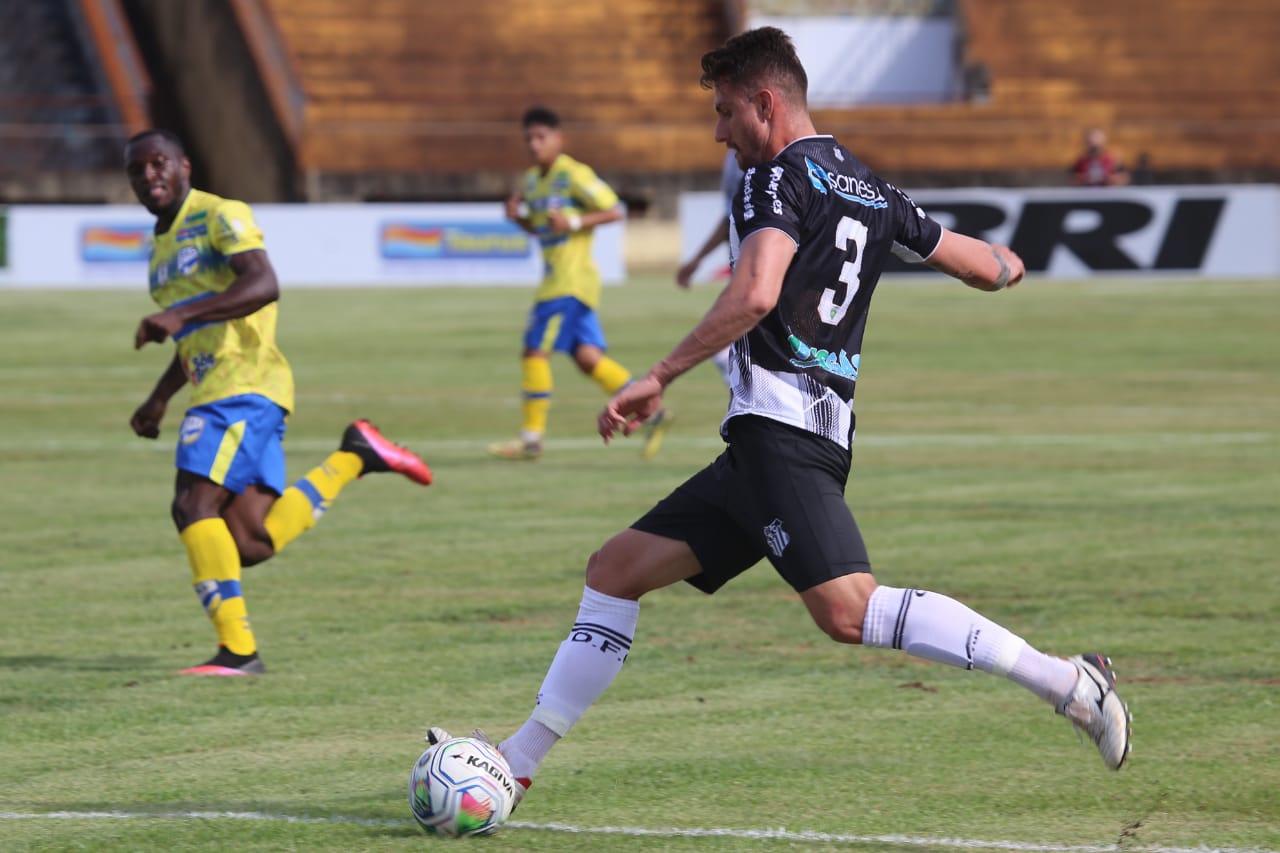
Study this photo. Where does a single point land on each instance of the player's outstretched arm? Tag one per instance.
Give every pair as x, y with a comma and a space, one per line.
977, 263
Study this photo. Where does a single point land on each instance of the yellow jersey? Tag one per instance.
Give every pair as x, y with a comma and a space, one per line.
570, 187
191, 261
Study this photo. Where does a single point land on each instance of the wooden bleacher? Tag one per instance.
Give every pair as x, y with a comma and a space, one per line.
403, 85
426, 88
1192, 84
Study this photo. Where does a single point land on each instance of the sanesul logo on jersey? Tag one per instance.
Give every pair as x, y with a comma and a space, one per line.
845, 186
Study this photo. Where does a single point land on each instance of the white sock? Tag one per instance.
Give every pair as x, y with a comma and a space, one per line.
938, 628
585, 664
525, 749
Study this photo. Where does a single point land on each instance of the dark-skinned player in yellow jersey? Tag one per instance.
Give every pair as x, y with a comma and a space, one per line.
217, 291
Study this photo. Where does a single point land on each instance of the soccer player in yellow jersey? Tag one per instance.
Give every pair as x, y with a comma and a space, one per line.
560, 202
211, 276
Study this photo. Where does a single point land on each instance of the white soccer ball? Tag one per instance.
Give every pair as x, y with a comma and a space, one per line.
461, 786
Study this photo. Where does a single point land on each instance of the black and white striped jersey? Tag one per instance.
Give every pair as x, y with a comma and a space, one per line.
799, 365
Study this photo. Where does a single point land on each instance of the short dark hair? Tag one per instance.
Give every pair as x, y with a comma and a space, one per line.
765, 56
540, 115
167, 135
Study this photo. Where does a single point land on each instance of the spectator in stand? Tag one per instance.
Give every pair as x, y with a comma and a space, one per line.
1096, 166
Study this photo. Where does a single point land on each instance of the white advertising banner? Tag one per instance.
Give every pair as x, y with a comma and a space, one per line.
409, 245
1228, 231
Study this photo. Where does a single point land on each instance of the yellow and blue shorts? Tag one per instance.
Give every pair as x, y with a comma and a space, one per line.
235, 442
562, 325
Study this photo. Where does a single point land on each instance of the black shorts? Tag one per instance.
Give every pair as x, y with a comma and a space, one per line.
777, 492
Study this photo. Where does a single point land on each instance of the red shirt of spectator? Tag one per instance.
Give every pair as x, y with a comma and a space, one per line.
1097, 167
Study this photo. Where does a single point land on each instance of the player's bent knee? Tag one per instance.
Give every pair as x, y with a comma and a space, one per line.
255, 554
609, 578
598, 574
840, 621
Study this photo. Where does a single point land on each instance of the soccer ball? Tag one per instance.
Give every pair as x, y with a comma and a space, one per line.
461, 786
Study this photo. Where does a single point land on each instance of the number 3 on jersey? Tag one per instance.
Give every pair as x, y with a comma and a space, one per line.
849, 229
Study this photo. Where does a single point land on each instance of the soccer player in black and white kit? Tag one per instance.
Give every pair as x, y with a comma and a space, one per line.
811, 230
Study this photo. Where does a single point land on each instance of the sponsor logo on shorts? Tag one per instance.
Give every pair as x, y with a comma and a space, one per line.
776, 538
192, 428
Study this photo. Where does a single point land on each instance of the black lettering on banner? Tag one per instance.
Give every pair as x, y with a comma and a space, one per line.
973, 219
1186, 240
1043, 227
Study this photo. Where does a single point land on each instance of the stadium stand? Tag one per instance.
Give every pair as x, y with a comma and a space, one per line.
419, 99
1190, 83
437, 89
72, 89
385, 92
214, 87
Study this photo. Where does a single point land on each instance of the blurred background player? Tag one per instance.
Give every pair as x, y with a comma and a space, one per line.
210, 274
560, 202
730, 181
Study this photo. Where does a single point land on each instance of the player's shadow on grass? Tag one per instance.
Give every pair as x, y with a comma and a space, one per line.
108, 663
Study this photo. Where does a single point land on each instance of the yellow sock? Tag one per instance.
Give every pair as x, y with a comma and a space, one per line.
535, 390
215, 571
302, 504
610, 375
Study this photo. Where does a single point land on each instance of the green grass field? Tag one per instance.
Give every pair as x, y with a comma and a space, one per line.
1096, 465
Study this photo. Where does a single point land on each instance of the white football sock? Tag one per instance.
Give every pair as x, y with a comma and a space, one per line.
525, 749
938, 628
585, 664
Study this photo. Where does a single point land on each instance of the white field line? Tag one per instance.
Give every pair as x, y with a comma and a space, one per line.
780, 834
1117, 440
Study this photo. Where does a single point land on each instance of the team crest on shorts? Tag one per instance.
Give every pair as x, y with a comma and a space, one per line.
776, 538
192, 427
